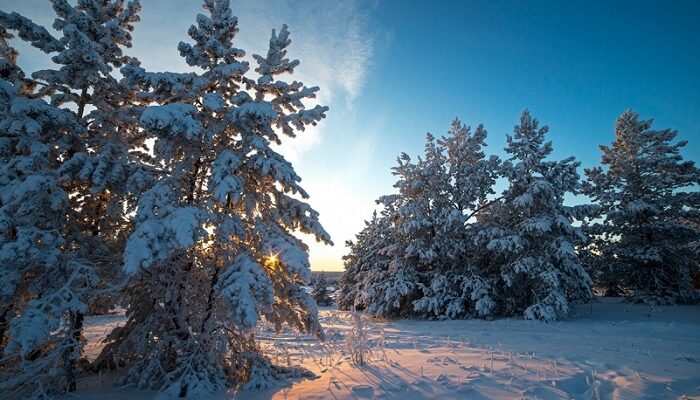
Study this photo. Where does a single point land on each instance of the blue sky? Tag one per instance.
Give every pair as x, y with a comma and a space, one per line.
393, 70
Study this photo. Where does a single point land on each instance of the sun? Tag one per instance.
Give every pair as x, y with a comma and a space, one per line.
272, 262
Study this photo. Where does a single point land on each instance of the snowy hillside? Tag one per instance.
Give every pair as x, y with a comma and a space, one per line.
608, 350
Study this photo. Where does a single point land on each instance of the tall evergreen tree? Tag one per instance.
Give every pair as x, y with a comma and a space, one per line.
530, 236
106, 164
423, 221
417, 258
103, 157
457, 289
213, 248
645, 243
389, 281
93, 161
44, 282
416, 214
366, 263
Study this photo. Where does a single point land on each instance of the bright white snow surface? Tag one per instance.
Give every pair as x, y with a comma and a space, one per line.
607, 350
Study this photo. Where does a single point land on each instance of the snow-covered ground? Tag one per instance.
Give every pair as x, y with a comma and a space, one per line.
607, 350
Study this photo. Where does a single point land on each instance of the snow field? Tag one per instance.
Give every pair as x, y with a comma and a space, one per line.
607, 350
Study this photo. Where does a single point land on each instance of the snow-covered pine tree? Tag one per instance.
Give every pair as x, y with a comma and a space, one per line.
423, 222
417, 259
347, 284
457, 288
643, 243
103, 161
105, 164
213, 248
416, 215
43, 283
383, 286
100, 160
530, 235
366, 263
320, 291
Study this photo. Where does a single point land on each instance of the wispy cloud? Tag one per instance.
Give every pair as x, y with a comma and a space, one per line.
332, 41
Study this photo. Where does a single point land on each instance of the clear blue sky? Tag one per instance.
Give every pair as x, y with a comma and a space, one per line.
393, 70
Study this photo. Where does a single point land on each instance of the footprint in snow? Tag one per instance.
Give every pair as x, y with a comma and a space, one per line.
423, 384
363, 391
687, 358
453, 385
450, 360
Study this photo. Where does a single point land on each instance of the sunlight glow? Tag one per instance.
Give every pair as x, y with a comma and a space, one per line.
272, 259
272, 262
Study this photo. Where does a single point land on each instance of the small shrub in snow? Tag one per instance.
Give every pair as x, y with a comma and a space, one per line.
357, 341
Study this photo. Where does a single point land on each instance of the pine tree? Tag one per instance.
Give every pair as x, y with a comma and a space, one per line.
102, 160
105, 164
417, 259
213, 248
644, 244
320, 292
95, 161
366, 263
530, 236
420, 216
43, 283
415, 247
377, 279
457, 289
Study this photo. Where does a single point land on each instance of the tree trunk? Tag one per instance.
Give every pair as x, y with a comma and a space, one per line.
193, 180
69, 358
210, 298
4, 323
81, 103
